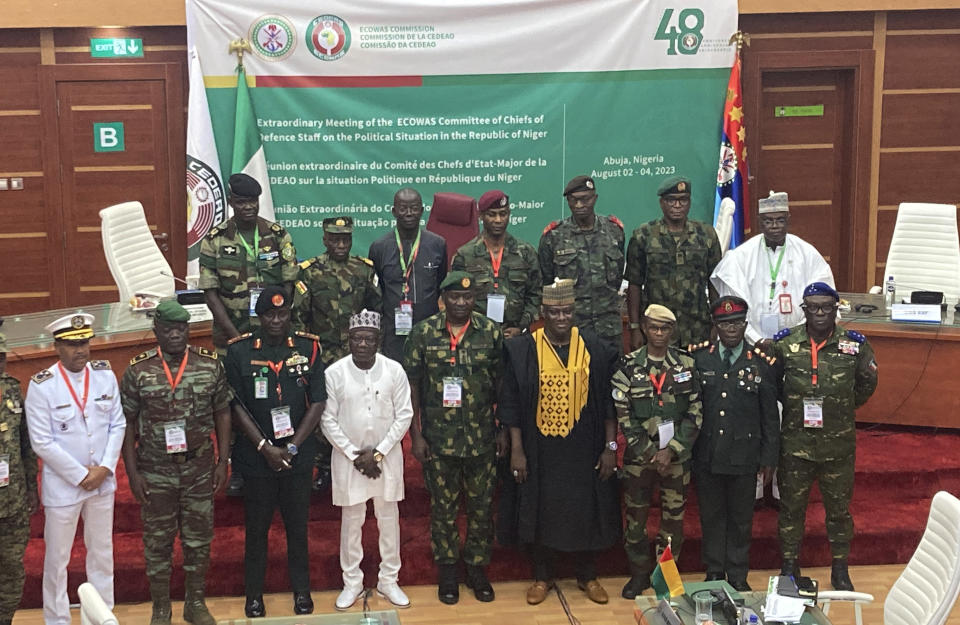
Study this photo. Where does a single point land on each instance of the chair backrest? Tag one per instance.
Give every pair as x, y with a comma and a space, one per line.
137, 264
724, 225
93, 609
925, 592
925, 250
454, 217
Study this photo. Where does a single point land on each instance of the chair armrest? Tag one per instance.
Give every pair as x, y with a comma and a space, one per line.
844, 595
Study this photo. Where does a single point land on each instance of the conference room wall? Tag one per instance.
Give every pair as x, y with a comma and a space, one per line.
914, 133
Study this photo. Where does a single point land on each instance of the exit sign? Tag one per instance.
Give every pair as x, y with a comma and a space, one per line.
114, 48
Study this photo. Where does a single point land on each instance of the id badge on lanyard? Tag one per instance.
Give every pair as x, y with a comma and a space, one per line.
175, 436
496, 303
813, 412
403, 318
254, 296
452, 392
282, 425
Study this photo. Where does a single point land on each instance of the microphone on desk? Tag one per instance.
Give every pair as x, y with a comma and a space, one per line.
170, 275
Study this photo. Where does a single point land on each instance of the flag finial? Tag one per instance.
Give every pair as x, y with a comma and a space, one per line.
238, 47
740, 38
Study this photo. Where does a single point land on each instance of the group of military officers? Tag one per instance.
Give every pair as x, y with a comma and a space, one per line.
710, 409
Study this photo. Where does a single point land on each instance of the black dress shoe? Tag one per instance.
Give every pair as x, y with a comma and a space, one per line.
740, 585
714, 577
235, 486
477, 580
448, 589
789, 567
254, 607
302, 603
840, 576
634, 586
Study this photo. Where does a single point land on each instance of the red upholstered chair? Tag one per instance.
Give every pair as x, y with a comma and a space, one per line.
454, 217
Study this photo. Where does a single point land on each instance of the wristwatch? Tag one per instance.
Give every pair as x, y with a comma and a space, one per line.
377, 456
612, 445
292, 449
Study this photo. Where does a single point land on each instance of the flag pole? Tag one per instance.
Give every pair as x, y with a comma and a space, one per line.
238, 47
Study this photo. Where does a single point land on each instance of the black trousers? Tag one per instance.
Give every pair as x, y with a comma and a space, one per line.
545, 563
261, 497
726, 517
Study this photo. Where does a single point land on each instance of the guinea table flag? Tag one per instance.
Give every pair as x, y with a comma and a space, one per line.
666, 578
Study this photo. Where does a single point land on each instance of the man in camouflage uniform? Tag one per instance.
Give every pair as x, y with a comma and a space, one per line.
453, 361
587, 249
669, 262
18, 491
505, 270
237, 259
657, 394
174, 397
827, 373
329, 289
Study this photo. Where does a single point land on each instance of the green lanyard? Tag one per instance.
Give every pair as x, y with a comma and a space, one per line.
775, 271
251, 253
406, 264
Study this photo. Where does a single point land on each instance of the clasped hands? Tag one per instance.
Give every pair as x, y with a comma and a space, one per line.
366, 464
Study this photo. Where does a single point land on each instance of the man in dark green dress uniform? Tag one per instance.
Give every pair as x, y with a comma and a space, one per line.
280, 394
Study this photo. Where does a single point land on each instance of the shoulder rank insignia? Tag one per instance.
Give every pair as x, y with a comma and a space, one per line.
615, 220
301, 287
214, 232
551, 226
306, 263
307, 335
856, 336
782, 334
276, 227
366, 260
245, 335
143, 356
100, 365
42, 376
203, 351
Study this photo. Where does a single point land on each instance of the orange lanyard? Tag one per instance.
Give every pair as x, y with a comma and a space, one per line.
658, 385
455, 340
814, 348
276, 367
495, 261
166, 369
86, 387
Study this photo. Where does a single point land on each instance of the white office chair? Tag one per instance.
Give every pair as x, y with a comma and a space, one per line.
137, 264
927, 588
925, 250
93, 609
724, 225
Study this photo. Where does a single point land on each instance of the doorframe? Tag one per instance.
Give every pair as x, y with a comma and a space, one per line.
172, 76
854, 249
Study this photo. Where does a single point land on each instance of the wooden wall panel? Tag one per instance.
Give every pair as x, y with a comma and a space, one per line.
807, 169
923, 20
22, 143
807, 22
921, 119
922, 62
791, 44
885, 222
919, 177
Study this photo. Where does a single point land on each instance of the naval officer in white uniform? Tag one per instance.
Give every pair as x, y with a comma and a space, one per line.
76, 427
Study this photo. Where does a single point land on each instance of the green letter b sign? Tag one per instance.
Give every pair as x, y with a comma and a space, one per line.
108, 137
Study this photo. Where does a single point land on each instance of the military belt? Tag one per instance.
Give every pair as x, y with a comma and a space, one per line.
186, 456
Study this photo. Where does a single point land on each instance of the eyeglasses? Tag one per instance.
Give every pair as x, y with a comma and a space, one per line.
659, 329
822, 309
676, 201
362, 340
732, 324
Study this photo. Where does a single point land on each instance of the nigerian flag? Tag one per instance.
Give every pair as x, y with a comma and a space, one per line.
666, 578
248, 156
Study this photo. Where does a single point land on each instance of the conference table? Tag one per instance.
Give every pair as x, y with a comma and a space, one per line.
646, 613
380, 617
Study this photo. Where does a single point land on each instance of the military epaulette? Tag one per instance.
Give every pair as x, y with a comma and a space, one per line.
551, 226
307, 335
41, 376
206, 353
276, 227
301, 287
856, 336
100, 365
214, 232
150, 353
366, 260
615, 220
307, 263
782, 334
245, 335
693, 347
759, 352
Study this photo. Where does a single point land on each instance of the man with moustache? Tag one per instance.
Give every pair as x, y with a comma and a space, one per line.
279, 388
505, 270
174, 397
825, 373
739, 439
669, 261
329, 289
453, 364
76, 427
555, 400
367, 414
410, 264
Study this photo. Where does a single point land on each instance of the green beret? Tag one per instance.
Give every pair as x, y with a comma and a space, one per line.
170, 311
674, 184
338, 225
457, 281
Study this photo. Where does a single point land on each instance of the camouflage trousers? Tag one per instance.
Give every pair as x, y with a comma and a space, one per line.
180, 501
835, 478
638, 481
15, 530
446, 479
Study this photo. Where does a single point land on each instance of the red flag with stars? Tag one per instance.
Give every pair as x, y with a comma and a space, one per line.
732, 172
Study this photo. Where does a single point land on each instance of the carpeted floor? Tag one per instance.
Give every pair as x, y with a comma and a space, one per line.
898, 471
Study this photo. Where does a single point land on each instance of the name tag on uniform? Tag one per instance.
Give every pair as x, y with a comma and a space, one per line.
665, 433
175, 434
683, 376
452, 392
813, 412
282, 426
259, 387
495, 305
254, 296
268, 255
849, 347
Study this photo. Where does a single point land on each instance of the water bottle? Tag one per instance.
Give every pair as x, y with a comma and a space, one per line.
889, 295
749, 617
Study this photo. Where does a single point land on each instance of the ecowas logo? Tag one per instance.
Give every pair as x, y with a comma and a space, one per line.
205, 200
273, 37
685, 32
328, 37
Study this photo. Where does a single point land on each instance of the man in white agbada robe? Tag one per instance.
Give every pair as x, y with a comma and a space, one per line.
770, 272
368, 411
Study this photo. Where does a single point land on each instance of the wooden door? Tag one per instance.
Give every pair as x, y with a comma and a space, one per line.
118, 137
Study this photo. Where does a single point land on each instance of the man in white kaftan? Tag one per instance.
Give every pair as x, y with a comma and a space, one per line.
367, 414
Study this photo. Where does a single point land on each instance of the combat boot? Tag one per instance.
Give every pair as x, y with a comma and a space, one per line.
638, 582
162, 613
839, 576
194, 607
790, 568
6, 621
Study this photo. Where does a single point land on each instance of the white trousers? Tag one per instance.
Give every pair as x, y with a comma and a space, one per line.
59, 530
351, 544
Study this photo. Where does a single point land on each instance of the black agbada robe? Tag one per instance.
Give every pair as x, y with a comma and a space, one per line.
563, 504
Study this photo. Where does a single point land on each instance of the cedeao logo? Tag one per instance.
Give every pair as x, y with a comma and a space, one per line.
685, 33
